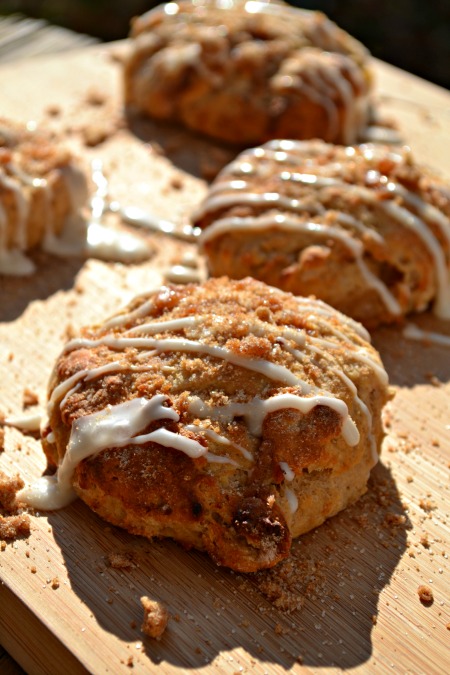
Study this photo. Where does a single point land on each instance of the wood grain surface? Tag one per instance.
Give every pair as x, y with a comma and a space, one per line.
64, 608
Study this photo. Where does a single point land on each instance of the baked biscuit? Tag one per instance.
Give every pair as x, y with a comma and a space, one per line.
229, 416
363, 228
42, 186
246, 72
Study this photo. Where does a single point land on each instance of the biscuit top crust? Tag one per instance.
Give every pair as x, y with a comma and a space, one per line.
371, 199
205, 355
265, 53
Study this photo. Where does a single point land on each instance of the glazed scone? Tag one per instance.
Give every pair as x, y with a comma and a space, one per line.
363, 228
246, 72
42, 186
229, 416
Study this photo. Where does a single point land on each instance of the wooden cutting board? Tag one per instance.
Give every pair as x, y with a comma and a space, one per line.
64, 607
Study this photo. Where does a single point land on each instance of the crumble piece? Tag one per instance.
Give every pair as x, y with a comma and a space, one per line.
12, 527
156, 617
121, 561
425, 594
9, 486
30, 398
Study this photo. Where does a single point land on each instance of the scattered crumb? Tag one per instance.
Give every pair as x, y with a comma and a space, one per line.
12, 527
156, 617
96, 133
395, 519
425, 541
30, 398
55, 583
374, 619
426, 505
53, 110
433, 379
2, 545
176, 182
425, 595
280, 585
96, 97
9, 486
121, 561
279, 630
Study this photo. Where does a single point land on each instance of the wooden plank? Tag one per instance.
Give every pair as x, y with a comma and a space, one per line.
67, 609
22, 37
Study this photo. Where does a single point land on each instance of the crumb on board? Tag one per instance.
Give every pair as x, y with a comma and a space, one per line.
425, 541
427, 505
156, 617
30, 398
9, 486
96, 97
425, 594
121, 561
13, 527
13, 523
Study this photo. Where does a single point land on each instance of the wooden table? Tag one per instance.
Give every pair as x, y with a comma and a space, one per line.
64, 607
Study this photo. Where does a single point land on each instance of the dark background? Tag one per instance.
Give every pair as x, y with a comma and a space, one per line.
411, 34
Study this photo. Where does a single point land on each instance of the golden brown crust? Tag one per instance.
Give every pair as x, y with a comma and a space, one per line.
249, 71
233, 359
362, 228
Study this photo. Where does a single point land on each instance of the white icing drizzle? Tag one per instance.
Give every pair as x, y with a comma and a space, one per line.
210, 433
413, 332
287, 471
415, 213
292, 499
163, 326
182, 274
282, 222
363, 407
266, 368
136, 216
113, 427
255, 411
31, 422
290, 495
